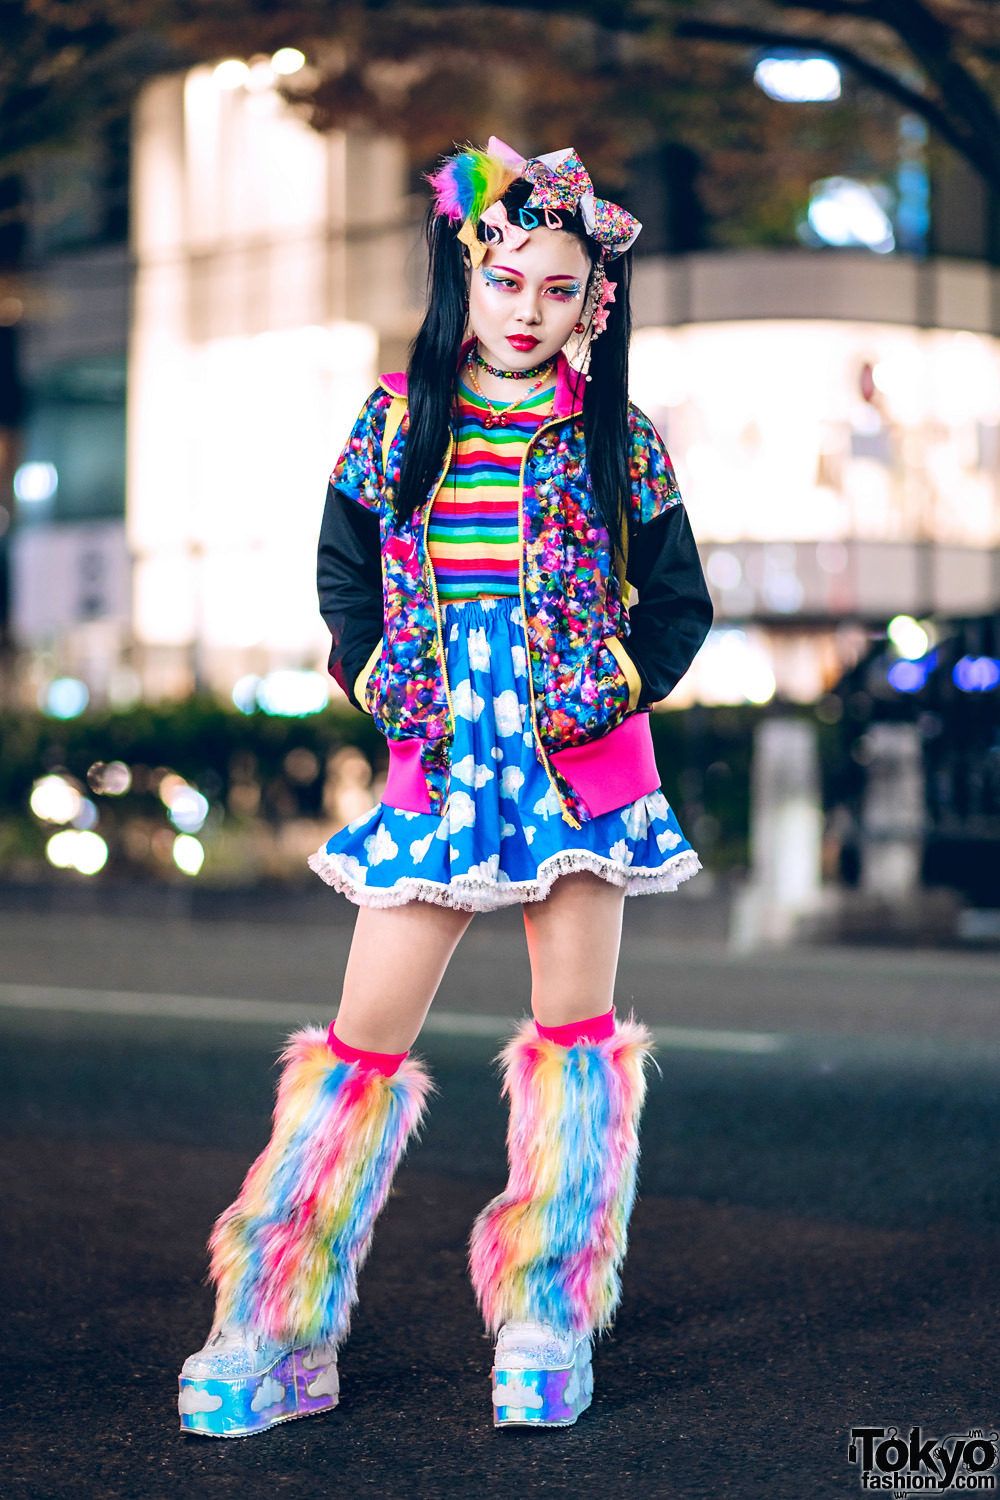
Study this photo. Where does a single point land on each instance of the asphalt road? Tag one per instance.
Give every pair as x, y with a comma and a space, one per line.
815, 1246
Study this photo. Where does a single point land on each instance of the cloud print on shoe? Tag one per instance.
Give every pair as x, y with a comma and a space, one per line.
318, 1357
271, 1391
326, 1383
516, 1393
191, 1401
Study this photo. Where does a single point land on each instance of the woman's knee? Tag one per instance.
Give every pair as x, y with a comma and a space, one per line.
573, 941
397, 960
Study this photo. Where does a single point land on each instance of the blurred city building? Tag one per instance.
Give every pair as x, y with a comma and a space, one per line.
274, 277
834, 417
69, 561
243, 293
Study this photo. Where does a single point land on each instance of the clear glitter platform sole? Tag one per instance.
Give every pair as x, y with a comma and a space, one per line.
238, 1385
540, 1378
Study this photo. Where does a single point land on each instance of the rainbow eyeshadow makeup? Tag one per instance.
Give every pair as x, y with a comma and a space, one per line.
569, 289
492, 279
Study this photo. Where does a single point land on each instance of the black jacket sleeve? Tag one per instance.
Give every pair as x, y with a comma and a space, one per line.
349, 578
674, 611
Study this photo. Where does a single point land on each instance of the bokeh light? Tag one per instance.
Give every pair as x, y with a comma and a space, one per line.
798, 80
976, 674
301, 766
188, 809
724, 570
910, 639
293, 695
245, 694
64, 698
908, 676
54, 800
189, 855
73, 849
87, 814
231, 74
288, 60
844, 212
35, 482
735, 669
109, 779
168, 785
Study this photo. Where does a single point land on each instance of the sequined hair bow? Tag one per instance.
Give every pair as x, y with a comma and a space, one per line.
468, 188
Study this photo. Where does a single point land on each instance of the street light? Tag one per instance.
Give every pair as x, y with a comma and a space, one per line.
795, 78
231, 74
288, 60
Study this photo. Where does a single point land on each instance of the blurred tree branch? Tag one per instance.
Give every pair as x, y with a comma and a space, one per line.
616, 78
955, 48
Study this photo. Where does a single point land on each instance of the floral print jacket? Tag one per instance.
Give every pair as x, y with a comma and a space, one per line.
592, 660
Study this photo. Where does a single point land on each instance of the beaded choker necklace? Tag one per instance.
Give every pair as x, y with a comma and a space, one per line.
512, 374
501, 418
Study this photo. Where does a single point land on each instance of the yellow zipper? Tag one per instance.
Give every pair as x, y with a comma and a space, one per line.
567, 815
436, 602
553, 422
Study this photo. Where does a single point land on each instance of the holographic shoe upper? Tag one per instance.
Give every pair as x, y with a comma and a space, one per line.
541, 1376
533, 1346
233, 1354
241, 1383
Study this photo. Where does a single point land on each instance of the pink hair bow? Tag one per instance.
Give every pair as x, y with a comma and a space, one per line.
512, 235
559, 180
609, 224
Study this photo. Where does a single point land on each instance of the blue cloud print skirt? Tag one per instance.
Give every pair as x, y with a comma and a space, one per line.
502, 838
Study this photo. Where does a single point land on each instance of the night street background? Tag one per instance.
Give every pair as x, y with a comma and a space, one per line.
212, 248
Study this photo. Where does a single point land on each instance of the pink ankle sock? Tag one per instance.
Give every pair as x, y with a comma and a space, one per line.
385, 1063
594, 1030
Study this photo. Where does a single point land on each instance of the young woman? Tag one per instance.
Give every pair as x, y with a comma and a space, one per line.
482, 528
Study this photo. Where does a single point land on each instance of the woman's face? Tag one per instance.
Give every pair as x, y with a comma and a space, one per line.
523, 303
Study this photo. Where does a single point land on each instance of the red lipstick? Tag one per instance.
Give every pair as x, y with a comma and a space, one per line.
522, 342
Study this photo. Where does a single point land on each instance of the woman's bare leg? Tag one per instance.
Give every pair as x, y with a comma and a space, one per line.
397, 960
573, 940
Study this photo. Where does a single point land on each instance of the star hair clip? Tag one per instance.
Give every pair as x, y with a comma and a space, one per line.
604, 296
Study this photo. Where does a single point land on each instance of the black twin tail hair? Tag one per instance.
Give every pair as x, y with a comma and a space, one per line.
434, 363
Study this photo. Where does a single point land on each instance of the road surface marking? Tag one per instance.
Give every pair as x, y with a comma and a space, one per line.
279, 1012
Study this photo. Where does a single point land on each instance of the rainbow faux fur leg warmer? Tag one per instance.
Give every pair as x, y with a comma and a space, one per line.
285, 1255
549, 1248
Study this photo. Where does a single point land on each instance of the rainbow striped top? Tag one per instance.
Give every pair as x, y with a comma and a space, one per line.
472, 536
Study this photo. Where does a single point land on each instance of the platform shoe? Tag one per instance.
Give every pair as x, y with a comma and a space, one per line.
545, 1255
285, 1255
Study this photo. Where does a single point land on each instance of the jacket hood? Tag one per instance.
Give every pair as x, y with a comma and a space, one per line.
570, 384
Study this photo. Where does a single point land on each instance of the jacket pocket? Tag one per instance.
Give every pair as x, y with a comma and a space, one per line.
367, 679
406, 785
626, 667
612, 771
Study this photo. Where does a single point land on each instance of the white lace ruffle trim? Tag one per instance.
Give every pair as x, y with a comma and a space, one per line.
464, 894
